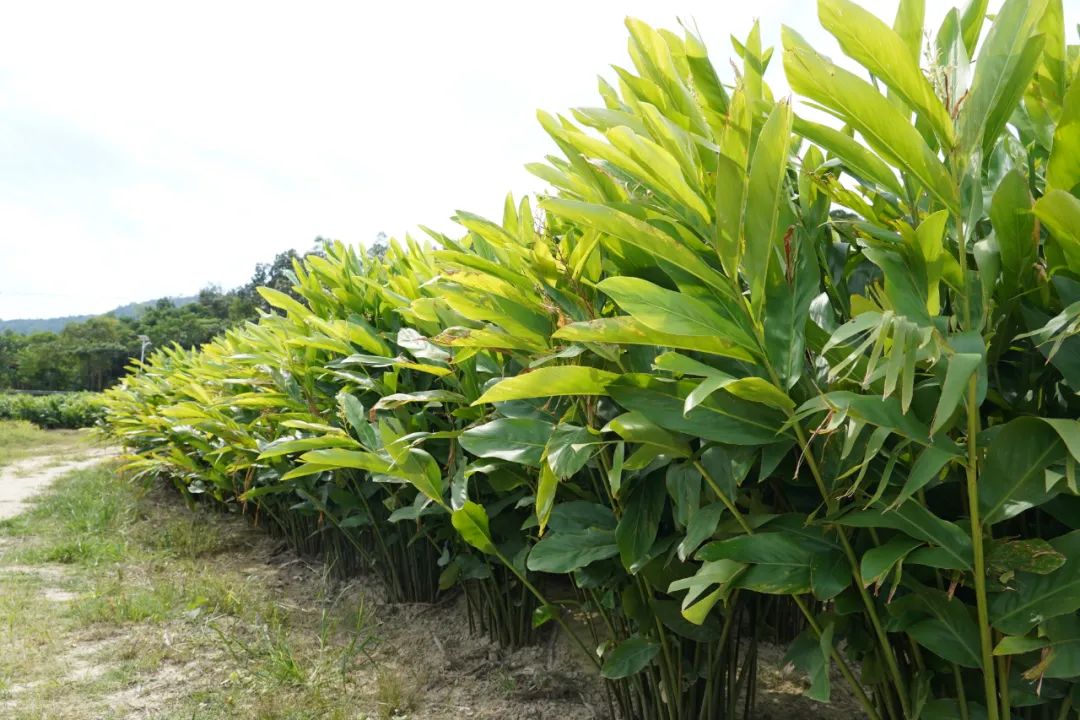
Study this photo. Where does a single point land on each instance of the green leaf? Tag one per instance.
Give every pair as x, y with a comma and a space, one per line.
961, 367
910, 17
1000, 58
926, 468
641, 235
549, 382
949, 632
568, 449
1060, 213
1033, 598
564, 551
519, 440
1012, 478
285, 446
636, 532
625, 330
356, 459
766, 213
631, 656
1014, 228
879, 561
859, 161
860, 105
669, 311
1018, 645
1063, 168
779, 563
874, 45
721, 417
811, 654
701, 527
471, 522
634, 427
789, 292
546, 485
918, 522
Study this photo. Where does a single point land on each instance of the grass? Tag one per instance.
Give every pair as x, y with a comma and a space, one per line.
20, 439
117, 601
166, 609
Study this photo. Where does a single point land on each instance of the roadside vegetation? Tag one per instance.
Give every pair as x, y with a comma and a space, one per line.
56, 410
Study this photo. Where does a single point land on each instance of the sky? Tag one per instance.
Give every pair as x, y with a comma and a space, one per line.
152, 149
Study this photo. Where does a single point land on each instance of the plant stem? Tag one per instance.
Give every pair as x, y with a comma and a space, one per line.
981, 606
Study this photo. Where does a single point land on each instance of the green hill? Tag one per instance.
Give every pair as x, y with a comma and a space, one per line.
29, 326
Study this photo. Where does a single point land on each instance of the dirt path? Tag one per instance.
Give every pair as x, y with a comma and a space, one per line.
24, 478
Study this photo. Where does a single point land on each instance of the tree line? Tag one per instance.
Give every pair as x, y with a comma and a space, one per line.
92, 354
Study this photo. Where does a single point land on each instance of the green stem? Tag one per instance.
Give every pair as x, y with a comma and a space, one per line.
981, 605
853, 562
845, 670
543, 601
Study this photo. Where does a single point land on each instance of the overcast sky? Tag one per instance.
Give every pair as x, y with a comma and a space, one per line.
150, 149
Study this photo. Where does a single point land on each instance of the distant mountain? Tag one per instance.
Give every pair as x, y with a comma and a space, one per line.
35, 325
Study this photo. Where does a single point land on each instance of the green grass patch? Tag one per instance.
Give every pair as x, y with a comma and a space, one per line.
20, 439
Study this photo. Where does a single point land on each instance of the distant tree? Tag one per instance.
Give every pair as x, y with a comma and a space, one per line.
378, 248
101, 347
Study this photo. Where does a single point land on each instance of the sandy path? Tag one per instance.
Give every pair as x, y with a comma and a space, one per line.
24, 478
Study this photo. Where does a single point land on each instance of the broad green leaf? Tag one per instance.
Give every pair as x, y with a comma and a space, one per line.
396, 400
779, 564
356, 459
766, 215
812, 654
947, 628
859, 161
283, 301
1060, 212
1014, 228
961, 367
546, 486
635, 427
921, 524
519, 440
670, 311
641, 235
287, 445
927, 467
564, 551
1018, 645
1063, 633
568, 449
879, 561
1032, 599
721, 417
549, 382
875, 46
629, 657
625, 330
860, 105
1012, 477
910, 17
1063, 168
636, 532
789, 292
471, 521
701, 527
999, 66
